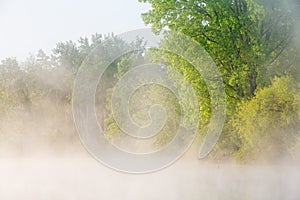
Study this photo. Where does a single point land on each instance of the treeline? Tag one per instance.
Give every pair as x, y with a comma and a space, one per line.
36, 94
252, 42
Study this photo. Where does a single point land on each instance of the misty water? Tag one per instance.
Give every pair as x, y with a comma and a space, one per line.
79, 176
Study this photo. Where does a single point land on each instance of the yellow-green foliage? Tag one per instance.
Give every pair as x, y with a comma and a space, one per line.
139, 106
267, 125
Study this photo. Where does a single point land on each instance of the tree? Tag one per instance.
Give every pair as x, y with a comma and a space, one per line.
251, 42
9, 66
10, 74
67, 55
242, 36
43, 60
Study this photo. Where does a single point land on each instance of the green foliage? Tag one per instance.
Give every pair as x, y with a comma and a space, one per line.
268, 124
190, 76
251, 42
243, 37
140, 102
41, 87
139, 106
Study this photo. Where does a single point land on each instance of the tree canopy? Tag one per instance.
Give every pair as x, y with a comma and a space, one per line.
243, 37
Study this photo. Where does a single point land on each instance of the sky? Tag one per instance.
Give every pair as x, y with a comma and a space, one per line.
27, 26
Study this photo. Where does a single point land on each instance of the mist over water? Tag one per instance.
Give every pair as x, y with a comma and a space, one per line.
81, 177
65, 171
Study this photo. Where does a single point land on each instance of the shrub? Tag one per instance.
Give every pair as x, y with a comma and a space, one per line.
267, 125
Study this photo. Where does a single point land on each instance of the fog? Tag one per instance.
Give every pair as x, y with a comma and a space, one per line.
41, 157
81, 177
37, 168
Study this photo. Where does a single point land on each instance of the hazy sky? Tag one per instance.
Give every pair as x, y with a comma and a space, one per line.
29, 25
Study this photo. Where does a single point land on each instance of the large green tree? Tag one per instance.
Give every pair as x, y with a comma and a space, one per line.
244, 37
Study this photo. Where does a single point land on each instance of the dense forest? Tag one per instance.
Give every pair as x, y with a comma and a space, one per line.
253, 43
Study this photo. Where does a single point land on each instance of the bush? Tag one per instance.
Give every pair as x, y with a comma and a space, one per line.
267, 126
